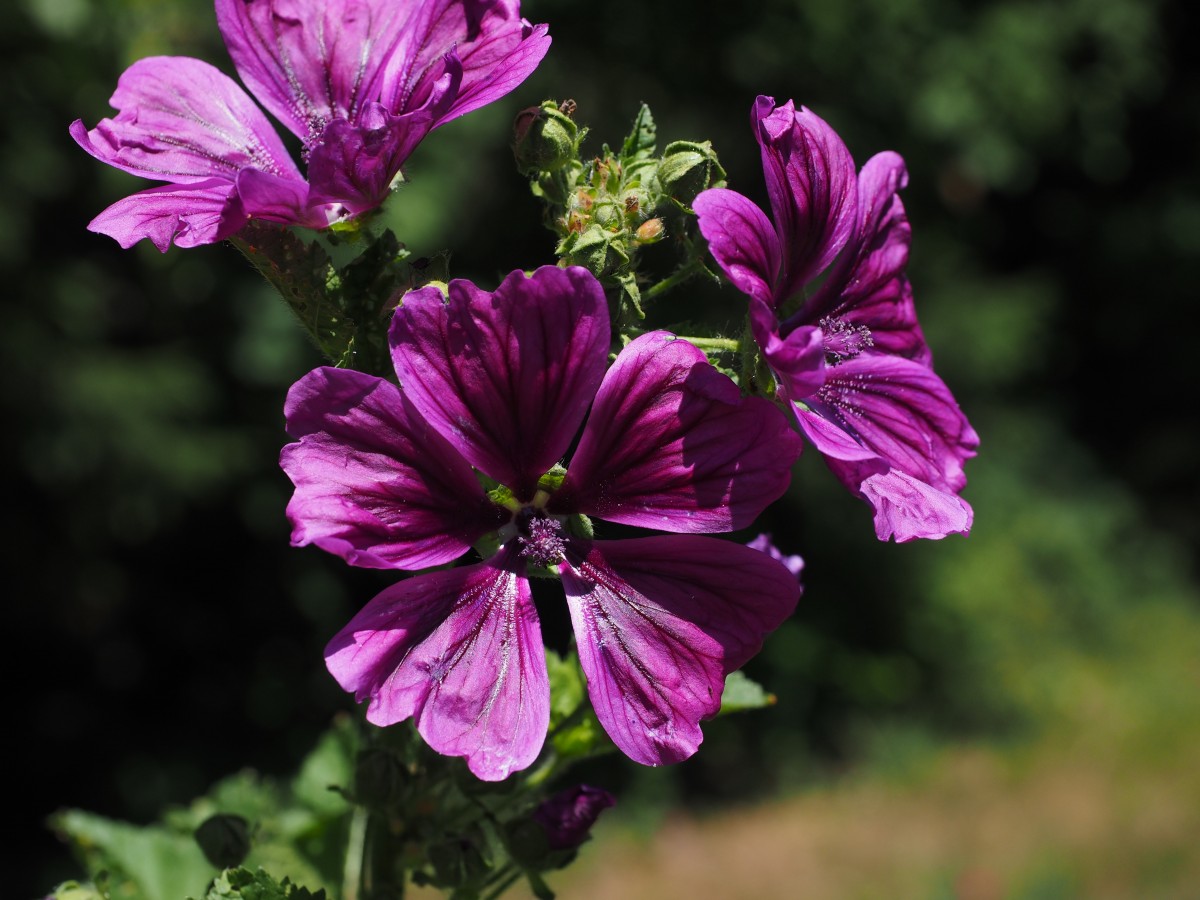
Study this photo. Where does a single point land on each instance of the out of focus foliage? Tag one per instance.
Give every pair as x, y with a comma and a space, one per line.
165, 635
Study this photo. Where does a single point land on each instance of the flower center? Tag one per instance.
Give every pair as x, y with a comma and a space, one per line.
540, 537
844, 341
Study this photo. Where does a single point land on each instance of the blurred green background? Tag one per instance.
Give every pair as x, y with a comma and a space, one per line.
1015, 714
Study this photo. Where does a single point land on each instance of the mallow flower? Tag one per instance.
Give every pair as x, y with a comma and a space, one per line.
846, 351
359, 82
466, 451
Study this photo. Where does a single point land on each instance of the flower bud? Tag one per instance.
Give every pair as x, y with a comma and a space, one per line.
597, 251
224, 839
568, 816
379, 777
687, 168
650, 232
544, 139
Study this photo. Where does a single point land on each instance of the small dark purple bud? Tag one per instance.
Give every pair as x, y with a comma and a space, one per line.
569, 815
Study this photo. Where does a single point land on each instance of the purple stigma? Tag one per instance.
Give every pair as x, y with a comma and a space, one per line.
541, 538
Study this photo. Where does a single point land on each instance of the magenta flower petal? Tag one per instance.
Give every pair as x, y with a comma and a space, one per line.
798, 360
311, 62
460, 651
906, 508
829, 439
660, 622
812, 188
741, 240
188, 215
183, 121
354, 163
274, 199
506, 377
792, 562
672, 444
495, 48
868, 287
374, 483
902, 412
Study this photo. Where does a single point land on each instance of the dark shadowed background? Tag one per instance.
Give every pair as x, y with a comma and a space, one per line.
163, 634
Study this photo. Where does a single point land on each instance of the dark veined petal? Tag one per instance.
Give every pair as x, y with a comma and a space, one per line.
792, 562
187, 214
374, 483
659, 623
183, 121
506, 377
903, 413
868, 286
495, 47
460, 651
672, 444
742, 241
812, 188
312, 61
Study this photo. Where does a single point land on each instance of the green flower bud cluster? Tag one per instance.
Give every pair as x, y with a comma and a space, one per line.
605, 209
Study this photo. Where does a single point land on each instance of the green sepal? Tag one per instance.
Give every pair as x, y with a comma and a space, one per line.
552, 480
631, 295
741, 694
580, 526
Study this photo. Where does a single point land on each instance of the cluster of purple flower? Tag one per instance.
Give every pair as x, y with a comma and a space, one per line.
494, 388
359, 82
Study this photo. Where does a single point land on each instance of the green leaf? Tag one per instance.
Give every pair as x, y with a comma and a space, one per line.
574, 729
242, 884
73, 890
640, 144
329, 766
150, 863
741, 694
304, 276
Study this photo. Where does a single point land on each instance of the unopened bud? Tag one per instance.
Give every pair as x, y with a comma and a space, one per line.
544, 139
567, 817
380, 777
687, 168
597, 251
224, 839
649, 232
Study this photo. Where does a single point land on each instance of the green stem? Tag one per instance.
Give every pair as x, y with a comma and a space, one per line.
719, 345
355, 848
509, 876
676, 278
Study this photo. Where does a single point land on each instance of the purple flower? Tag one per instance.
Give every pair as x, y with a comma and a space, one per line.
569, 815
359, 82
794, 563
498, 384
847, 351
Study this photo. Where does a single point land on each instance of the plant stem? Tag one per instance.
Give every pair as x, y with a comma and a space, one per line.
355, 846
731, 345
